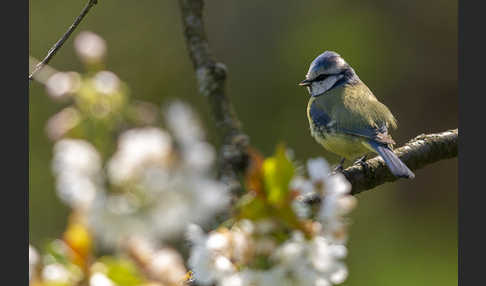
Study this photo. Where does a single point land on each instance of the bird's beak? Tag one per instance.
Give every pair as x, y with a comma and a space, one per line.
305, 82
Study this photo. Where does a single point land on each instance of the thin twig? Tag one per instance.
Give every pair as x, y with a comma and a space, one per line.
211, 77
44, 74
63, 39
419, 152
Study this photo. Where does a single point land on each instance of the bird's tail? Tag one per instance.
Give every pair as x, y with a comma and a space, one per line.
396, 166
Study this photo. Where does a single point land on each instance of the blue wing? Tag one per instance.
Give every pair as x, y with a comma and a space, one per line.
379, 135
322, 119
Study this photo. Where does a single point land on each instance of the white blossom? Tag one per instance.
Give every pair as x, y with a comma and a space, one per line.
89, 46
168, 265
336, 203
61, 84
183, 123
165, 264
77, 166
100, 279
33, 260
55, 272
62, 122
181, 120
201, 258
334, 192
137, 150
318, 169
106, 82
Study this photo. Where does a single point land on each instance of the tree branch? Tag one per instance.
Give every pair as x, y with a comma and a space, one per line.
63, 39
211, 78
416, 154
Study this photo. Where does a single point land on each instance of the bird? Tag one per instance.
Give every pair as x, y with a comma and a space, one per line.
346, 118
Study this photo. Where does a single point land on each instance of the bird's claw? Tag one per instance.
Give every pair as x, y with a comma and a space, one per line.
361, 161
339, 168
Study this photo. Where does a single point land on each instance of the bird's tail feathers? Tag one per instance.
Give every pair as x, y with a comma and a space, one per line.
396, 166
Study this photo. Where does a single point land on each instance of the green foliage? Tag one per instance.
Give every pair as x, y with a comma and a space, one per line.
277, 173
121, 271
252, 207
57, 251
267, 182
269, 195
260, 262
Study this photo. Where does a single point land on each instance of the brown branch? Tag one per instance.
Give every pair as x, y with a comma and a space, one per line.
211, 78
63, 39
416, 154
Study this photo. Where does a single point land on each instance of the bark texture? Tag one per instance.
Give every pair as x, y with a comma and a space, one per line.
211, 78
419, 152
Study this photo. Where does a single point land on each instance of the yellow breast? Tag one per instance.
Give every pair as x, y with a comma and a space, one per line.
347, 146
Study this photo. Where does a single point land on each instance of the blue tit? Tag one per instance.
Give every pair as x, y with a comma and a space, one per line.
344, 115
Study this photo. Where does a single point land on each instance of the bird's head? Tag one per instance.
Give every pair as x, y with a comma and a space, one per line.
327, 71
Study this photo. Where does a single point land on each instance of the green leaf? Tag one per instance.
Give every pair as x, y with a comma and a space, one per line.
57, 252
260, 262
277, 173
121, 271
252, 207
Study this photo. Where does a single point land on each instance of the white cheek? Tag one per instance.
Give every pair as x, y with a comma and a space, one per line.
319, 87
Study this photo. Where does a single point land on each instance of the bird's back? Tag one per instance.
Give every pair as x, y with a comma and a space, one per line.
355, 106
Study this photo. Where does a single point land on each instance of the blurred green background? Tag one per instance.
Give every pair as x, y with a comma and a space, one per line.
403, 233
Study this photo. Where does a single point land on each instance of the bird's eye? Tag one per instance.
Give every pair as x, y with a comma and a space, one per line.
321, 77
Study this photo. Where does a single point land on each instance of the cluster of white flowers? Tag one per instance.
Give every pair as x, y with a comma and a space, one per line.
248, 253
225, 257
158, 184
336, 200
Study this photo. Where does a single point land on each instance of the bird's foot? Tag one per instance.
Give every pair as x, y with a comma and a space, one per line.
339, 168
361, 161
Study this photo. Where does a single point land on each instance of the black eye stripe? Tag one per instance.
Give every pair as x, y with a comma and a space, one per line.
321, 77
324, 76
